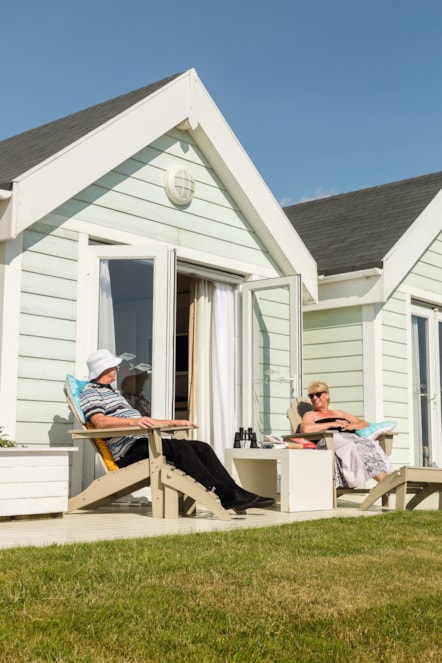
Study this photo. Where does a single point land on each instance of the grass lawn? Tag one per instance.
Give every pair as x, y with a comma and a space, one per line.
356, 589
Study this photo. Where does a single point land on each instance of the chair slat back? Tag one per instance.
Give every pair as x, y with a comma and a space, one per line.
298, 407
72, 390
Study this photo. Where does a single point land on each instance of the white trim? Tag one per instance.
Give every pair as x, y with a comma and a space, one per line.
113, 236
10, 333
410, 395
7, 208
350, 289
46, 186
372, 363
163, 313
87, 309
248, 189
52, 182
207, 273
241, 268
246, 349
413, 243
348, 276
433, 318
430, 298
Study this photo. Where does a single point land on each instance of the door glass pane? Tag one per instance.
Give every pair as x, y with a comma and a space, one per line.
126, 319
270, 360
420, 391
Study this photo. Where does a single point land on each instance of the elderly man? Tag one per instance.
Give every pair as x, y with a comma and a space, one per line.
105, 407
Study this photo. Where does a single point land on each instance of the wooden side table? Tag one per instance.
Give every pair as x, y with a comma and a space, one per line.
306, 475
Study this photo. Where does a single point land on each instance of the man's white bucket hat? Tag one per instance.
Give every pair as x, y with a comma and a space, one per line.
99, 361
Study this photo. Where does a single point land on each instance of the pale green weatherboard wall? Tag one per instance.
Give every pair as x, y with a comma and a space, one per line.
333, 347
48, 311
424, 277
131, 198
395, 357
333, 351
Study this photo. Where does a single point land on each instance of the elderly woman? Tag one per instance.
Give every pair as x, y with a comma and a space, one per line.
357, 458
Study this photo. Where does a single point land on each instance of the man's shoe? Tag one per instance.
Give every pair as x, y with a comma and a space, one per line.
261, 502
241, 501
264, 502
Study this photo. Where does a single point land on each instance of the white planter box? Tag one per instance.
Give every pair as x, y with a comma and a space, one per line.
34, 481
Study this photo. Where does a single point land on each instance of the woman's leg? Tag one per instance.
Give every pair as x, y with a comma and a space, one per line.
376, 461
351, 462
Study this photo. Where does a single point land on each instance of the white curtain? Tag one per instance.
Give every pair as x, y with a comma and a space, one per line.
200, 368
106, 324
223, 368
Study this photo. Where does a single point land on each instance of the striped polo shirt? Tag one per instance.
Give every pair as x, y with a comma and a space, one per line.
103, 399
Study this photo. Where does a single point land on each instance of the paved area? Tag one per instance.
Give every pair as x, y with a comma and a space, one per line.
133, 521
124, 521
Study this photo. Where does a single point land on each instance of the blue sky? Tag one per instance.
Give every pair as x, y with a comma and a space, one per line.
326, 96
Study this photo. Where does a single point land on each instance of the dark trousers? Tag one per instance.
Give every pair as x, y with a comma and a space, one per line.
192, 457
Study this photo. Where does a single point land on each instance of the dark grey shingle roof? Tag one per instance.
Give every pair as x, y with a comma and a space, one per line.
24, 151
356, 230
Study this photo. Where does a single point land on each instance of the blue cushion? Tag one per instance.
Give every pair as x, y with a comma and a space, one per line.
373, 431
76, 387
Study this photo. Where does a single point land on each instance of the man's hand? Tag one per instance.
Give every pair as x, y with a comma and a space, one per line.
145, 422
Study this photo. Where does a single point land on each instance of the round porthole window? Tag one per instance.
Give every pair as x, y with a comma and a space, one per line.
179, 185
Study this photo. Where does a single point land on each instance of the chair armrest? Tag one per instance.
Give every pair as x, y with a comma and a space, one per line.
90, 433
327, 435
385, 441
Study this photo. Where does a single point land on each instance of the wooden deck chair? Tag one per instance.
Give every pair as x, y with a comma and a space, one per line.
298, 407
421, 481
171, 488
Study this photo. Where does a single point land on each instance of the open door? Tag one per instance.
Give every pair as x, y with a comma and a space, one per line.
271, 352
132, 313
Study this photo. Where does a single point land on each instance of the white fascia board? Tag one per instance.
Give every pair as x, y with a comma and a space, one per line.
6, 216
10, 283
350, 289
246, 186
413, 243
48, 185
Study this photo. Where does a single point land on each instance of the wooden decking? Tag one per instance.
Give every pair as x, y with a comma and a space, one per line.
128, 521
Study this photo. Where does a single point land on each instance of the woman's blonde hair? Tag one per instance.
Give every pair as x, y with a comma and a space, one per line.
317, 385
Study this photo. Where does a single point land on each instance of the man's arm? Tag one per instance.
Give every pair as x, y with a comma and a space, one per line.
107, 421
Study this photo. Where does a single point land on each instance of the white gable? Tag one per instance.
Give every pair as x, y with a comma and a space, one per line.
182, 102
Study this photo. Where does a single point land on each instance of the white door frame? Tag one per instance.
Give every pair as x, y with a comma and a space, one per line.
295, 339
433, 317
163, 331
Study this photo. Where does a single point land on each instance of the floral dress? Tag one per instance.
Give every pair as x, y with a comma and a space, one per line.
357, 459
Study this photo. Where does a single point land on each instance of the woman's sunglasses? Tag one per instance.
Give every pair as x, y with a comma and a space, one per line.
318, 394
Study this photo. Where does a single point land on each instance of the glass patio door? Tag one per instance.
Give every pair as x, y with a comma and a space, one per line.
271, 352
426, 328
132, 314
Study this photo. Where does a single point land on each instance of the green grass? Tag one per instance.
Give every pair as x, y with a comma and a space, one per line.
362, 589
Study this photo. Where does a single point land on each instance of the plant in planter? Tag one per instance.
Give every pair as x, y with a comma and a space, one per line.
4, 439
